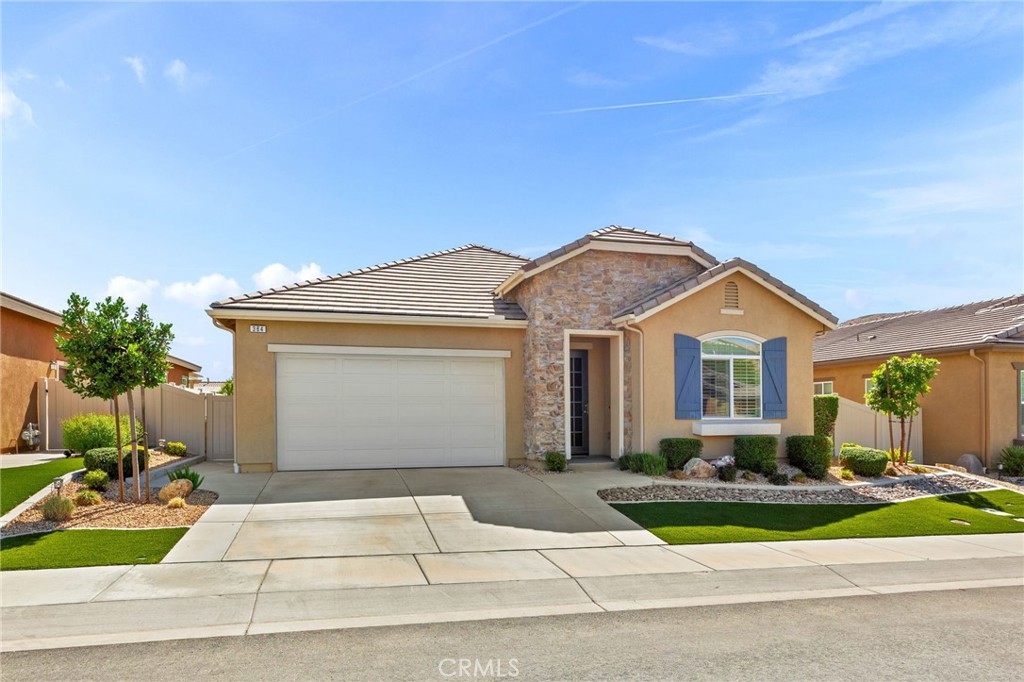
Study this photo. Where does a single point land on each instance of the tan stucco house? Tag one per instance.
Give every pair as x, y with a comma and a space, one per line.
475, 356
28, 353
975, 405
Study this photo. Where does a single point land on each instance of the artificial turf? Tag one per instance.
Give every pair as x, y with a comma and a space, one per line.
87, 547
17, 484
687, 523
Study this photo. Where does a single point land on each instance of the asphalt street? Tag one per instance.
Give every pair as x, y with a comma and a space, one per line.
954, 635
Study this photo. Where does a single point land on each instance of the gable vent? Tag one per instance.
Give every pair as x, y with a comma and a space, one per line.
732, 295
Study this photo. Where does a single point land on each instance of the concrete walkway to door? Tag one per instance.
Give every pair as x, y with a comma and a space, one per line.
292, 515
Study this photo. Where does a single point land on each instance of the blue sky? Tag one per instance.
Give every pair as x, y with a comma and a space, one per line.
868, 154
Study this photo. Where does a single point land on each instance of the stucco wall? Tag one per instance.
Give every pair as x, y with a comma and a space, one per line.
953, 410
26, 350
766, 315
255, 377
175, 374
583, 292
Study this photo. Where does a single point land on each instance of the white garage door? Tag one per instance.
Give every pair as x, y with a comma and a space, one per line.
371, 411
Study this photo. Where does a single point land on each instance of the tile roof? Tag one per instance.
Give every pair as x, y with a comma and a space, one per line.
454, 283
682, 286
621, 235
997, 321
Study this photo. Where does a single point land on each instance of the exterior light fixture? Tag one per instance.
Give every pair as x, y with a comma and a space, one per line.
1000, 471
57, 484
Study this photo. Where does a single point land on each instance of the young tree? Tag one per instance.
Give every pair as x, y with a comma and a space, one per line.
229, 386
154, 342
897, 385
97, 344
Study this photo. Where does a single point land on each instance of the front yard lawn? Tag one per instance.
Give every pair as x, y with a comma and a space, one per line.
687, 523
99, 547
17, 484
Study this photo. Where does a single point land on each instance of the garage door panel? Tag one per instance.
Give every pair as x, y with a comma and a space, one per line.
358, 412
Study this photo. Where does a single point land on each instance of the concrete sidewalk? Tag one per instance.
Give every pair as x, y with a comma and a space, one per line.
103, 605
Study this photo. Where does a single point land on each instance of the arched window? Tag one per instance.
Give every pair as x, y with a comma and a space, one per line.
732, 295
731, 378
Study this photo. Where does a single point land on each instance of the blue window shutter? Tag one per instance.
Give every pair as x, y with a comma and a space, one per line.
773, 378
687, 377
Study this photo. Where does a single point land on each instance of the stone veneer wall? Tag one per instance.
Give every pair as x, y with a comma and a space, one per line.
581, 293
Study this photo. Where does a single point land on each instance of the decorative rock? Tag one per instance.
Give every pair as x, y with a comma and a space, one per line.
698, 468
179, 488
971, 463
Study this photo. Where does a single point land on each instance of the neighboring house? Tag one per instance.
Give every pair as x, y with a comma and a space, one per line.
474, 356
207, 386
28, 352
975, 405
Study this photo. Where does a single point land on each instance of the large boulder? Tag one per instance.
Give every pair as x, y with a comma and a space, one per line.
971, 463
698, 468
179, 488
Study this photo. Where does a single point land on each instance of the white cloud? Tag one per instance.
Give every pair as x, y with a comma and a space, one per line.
203, 291
19, 75
670, 45
858, 18
178, 73
138, 66
133, 291
59, 84
13, 109
277, 274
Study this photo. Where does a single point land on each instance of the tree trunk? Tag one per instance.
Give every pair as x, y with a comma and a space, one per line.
910, 430
145, 446
903, 438
892, 436
120, 464
136, 489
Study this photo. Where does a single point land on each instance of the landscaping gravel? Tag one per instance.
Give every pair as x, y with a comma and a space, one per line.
873, 494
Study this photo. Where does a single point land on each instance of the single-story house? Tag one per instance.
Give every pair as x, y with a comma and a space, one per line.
28, 352
475, 356
975, 405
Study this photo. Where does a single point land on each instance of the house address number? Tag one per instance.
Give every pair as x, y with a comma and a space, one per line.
258, 328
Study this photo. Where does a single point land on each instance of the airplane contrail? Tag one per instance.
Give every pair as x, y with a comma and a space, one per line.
664, 102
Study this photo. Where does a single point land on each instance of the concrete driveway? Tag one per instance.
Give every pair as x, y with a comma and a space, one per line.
294, 515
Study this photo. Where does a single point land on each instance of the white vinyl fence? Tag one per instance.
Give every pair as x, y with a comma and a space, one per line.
860, 424
203, 422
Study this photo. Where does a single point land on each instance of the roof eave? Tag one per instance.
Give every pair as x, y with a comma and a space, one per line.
1001, 345
236, 313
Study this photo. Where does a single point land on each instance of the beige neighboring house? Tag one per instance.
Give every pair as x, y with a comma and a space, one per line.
976, 404
474, 356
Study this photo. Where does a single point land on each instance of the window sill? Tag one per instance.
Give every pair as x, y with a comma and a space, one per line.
729, 427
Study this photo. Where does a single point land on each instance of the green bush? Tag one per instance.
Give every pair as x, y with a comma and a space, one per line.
1012, 459
864, 461
197, 480
58, 508
678, 451
727, 473
553, 461
88, 498
799, 477
826, 410
105, 459
86, 432
896, 456
624, 462
96, 479
757, 453
749, 476
650, 464
810, 454
778, 478
178, 449
846, 475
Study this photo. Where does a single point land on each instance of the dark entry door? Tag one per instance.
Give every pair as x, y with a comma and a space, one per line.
579, 405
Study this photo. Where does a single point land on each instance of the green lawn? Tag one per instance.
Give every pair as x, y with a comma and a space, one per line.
20, 483
687, 523
87, 547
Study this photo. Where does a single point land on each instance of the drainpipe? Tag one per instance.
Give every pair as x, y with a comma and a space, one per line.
984, 409
640, 363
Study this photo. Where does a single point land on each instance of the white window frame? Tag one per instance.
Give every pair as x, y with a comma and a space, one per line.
831, 387
732, 381
867, 387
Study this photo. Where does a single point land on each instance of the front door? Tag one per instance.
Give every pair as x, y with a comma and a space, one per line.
579, 404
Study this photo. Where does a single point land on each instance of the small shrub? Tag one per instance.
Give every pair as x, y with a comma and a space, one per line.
649, 464
757, 453
177, 503
850, 445
727, 473
919, 469
799, 478
749, 476
58, 508
553, 461
811, 454
778, 478
826, 409
678, 451
197, 480
624, 461
864, 461
1012, 459
175, 448
895, 455
105, 459
846, 475
86, 432
96, 479
88, 498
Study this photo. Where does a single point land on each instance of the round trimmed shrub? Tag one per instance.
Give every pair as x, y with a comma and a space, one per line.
96, 479
553, 461
727, 473
177, 503
864, 461
678, 451
757, 453
624, 462
810, 454
175, 448
85, 432
778, 478
88, 498
105, 459
58, 508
